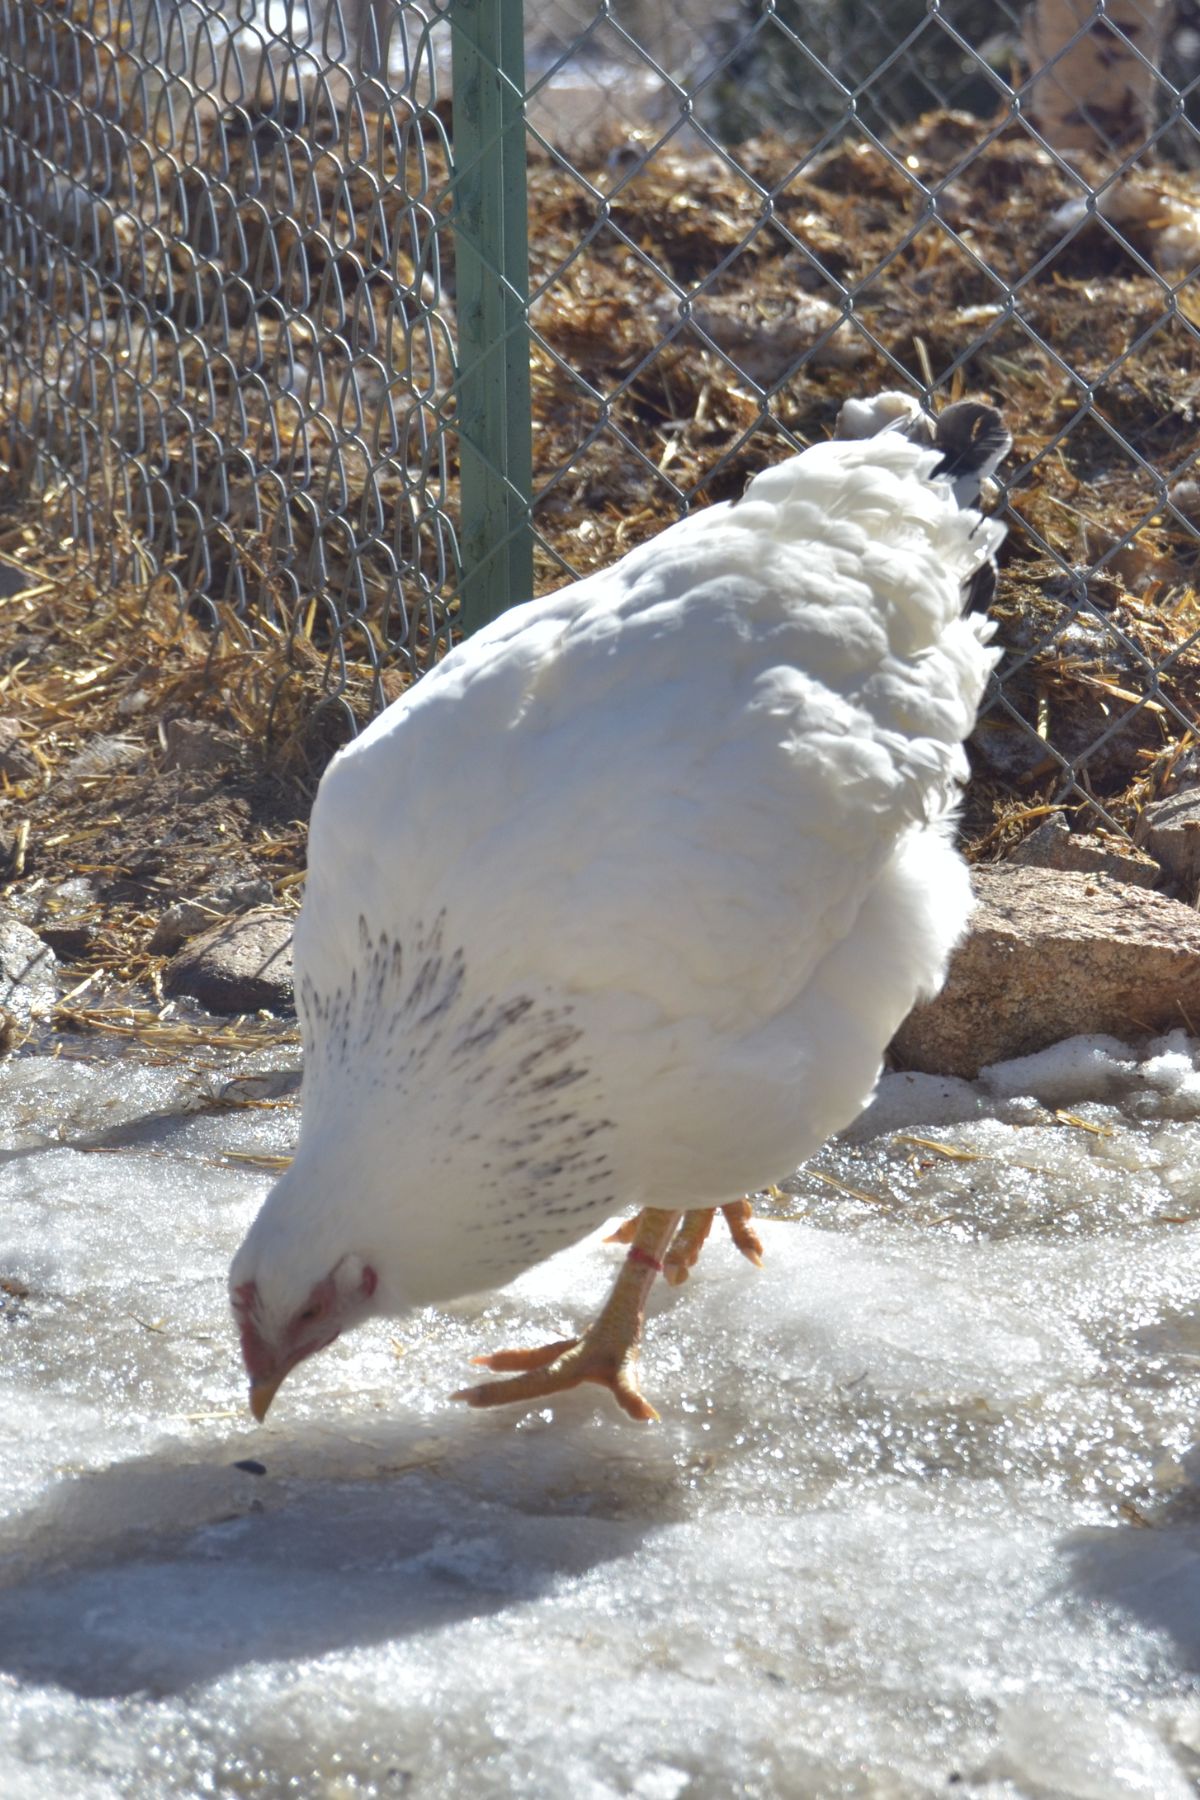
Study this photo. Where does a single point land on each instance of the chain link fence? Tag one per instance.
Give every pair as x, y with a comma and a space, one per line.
354, 321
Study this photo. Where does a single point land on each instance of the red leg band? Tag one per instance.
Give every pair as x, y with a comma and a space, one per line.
638, 1255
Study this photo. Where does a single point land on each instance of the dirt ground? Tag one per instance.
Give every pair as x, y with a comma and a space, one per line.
145, 760
133, 774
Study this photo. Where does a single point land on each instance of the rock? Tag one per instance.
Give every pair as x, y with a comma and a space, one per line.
1185, 497
28, 980
185, 919
65, 916
104, 756
1053, 845
188, 918
195, 744
1170, 830
1181, 771
16, 761
240, 965
24, 647
69, 938
40, 904
13, 854
1052, 954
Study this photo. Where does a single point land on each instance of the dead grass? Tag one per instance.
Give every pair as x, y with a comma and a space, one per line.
639, 408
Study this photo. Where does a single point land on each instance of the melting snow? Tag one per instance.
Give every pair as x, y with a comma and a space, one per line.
921, 1516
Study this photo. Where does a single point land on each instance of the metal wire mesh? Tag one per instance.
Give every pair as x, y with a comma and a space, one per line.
241, 337
808, 202
227, 359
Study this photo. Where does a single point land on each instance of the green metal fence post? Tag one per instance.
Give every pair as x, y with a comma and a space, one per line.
492, 296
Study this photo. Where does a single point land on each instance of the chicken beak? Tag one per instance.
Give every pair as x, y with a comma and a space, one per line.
261, 1395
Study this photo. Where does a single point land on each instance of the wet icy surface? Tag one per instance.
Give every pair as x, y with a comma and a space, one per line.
922, 1516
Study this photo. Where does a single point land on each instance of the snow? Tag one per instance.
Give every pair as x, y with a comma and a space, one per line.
920, 1516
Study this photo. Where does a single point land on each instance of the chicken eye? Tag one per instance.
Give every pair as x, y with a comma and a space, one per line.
309, 1315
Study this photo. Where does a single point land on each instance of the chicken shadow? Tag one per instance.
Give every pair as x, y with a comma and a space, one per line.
1148, 1569
158, 1573
163, 1571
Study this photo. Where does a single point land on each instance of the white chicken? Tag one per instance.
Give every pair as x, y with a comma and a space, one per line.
620, 906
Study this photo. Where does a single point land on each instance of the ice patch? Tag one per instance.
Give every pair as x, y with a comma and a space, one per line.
1080, 1068
890, 1537
1084, 1751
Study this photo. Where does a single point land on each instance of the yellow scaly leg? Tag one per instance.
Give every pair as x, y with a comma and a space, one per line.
684, 1253
607, 1352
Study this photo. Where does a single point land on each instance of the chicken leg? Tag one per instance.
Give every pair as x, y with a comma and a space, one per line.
661, 1243
692, 1234
607, 1352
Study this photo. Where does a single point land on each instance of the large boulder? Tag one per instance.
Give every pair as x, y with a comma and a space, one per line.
1051, 954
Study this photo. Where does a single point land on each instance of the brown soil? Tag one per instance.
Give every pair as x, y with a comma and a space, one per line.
639, 411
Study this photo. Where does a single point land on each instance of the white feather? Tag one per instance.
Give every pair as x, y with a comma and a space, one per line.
621, 904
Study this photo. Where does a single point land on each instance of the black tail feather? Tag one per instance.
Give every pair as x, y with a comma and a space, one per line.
974, 440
